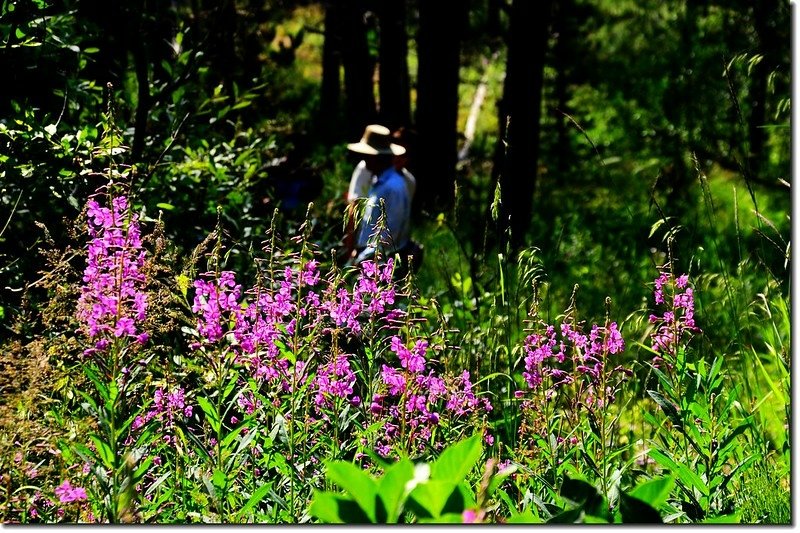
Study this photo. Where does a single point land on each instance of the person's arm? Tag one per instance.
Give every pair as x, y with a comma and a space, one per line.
359, 182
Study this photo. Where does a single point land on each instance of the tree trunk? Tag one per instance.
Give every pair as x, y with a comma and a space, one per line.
330, 91
523, 96
493, 17
358, 69
395, 102
441, 25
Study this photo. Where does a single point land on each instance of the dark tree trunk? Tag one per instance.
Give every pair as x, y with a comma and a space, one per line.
220, 41
395, 101
359, 69
493, 26
523, 96
330, 91
679, 111
441, 24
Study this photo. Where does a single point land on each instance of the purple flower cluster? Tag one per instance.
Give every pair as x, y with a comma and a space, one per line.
66, 493
113, 302
675, 326
167, 406
372, 295
260, 324
335, 379
254, 324
215, 300
571, 367
413, 400
248, 403
545, 354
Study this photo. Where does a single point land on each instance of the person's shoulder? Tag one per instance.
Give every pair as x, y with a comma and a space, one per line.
395, 174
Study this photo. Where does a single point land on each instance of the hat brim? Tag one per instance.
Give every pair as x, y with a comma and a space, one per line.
366, 149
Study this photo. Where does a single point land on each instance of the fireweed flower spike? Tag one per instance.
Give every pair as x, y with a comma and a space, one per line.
113, 302
215, 300
412, 400
675, 327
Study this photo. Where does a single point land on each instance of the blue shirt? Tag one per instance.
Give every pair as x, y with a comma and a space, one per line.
391, 188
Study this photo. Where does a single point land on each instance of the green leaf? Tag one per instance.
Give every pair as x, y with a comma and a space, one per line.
429, 499
571, 516
499, 477
447, 518
687, 476
198, 445
525, 517
325, 506
211, 413
742, 466
101, 387
356, 483
456, 461
219, 480
591, 519
723, 519
254, 500
728, 442
165, 206
586, 496
578, 491
669, 408
635, 511
104, 451
655, 491
392, 488
336, 509
664, 380
700, 412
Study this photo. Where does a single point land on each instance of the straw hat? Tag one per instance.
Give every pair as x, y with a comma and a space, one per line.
376, 140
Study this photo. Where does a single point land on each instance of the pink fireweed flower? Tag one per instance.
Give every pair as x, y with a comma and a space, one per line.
417, 402
614, 343
167, 407
676, 325
334, 379
411, 360
310, 274
216, 300
538, 349
394, 380
546, 355
248, 403
113, 302
469, 516
66, 493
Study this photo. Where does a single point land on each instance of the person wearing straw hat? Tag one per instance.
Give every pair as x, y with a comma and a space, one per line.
387, 194
361, 178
